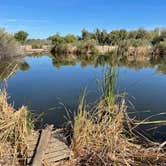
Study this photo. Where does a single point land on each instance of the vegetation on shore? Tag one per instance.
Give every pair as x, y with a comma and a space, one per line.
125, 43
150, 43
107, 136
102, 135
81, 48
8, 45
21, 36
15, 126
37, 43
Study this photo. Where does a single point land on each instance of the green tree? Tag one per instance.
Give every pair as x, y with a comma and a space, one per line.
123, 34
132, 34
140, 34
101, 36
86, 35
114, 37
159, 36
21, 36
70, 38
56, 39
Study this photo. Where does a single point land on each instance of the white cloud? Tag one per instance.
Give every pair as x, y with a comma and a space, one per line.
12, 20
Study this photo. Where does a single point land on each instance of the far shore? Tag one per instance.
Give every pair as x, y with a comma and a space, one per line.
28, 49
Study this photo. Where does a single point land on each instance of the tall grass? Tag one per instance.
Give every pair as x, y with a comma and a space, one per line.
15, 126
100, 136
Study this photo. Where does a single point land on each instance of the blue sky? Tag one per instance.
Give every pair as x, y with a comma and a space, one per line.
41, 18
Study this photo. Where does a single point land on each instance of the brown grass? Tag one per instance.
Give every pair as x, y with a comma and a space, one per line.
15, 126
103, 140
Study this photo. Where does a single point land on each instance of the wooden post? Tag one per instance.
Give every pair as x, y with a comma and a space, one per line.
43, 142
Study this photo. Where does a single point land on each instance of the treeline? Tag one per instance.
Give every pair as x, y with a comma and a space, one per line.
123, 39
103, 37
37, 43
154, 41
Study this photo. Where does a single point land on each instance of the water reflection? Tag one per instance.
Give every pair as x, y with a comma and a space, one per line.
102, 60
49, 81
9, 67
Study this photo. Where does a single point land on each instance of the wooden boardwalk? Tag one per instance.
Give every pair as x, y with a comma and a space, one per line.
47, 147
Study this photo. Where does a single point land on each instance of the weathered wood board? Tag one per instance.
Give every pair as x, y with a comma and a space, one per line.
47, 147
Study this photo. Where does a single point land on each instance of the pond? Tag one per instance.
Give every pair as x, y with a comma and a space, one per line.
51, 88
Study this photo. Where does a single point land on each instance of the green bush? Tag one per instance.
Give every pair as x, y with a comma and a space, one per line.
21, 36
160, 49
86, 47
62, 48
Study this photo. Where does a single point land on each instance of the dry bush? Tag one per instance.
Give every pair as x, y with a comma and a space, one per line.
8, 45
15, 126
104, 141
103, 136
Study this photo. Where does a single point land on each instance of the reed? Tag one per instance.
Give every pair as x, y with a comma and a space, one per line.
15, 126
102, 136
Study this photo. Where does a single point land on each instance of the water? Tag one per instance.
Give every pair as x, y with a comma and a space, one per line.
51, 87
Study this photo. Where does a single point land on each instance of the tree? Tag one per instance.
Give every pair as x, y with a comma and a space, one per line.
85, 34
132, 34
70, 38
123, 34
21, 36
142, 34
56, 39
114, 37
159, 36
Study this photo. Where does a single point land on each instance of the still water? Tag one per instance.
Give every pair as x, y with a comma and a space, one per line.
51, 88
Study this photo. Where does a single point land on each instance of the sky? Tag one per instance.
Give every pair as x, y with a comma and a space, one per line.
42, 18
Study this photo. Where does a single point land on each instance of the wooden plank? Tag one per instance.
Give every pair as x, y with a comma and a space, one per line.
43, 142
56, 145
32, 143
60, 150
57, 158
55, 148
55, 154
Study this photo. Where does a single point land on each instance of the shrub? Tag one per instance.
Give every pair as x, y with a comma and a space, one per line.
86, 47
160, 49
8, 45
62, 49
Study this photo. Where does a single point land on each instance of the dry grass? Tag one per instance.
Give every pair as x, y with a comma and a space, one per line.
103, 141
104, 136
15, 126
